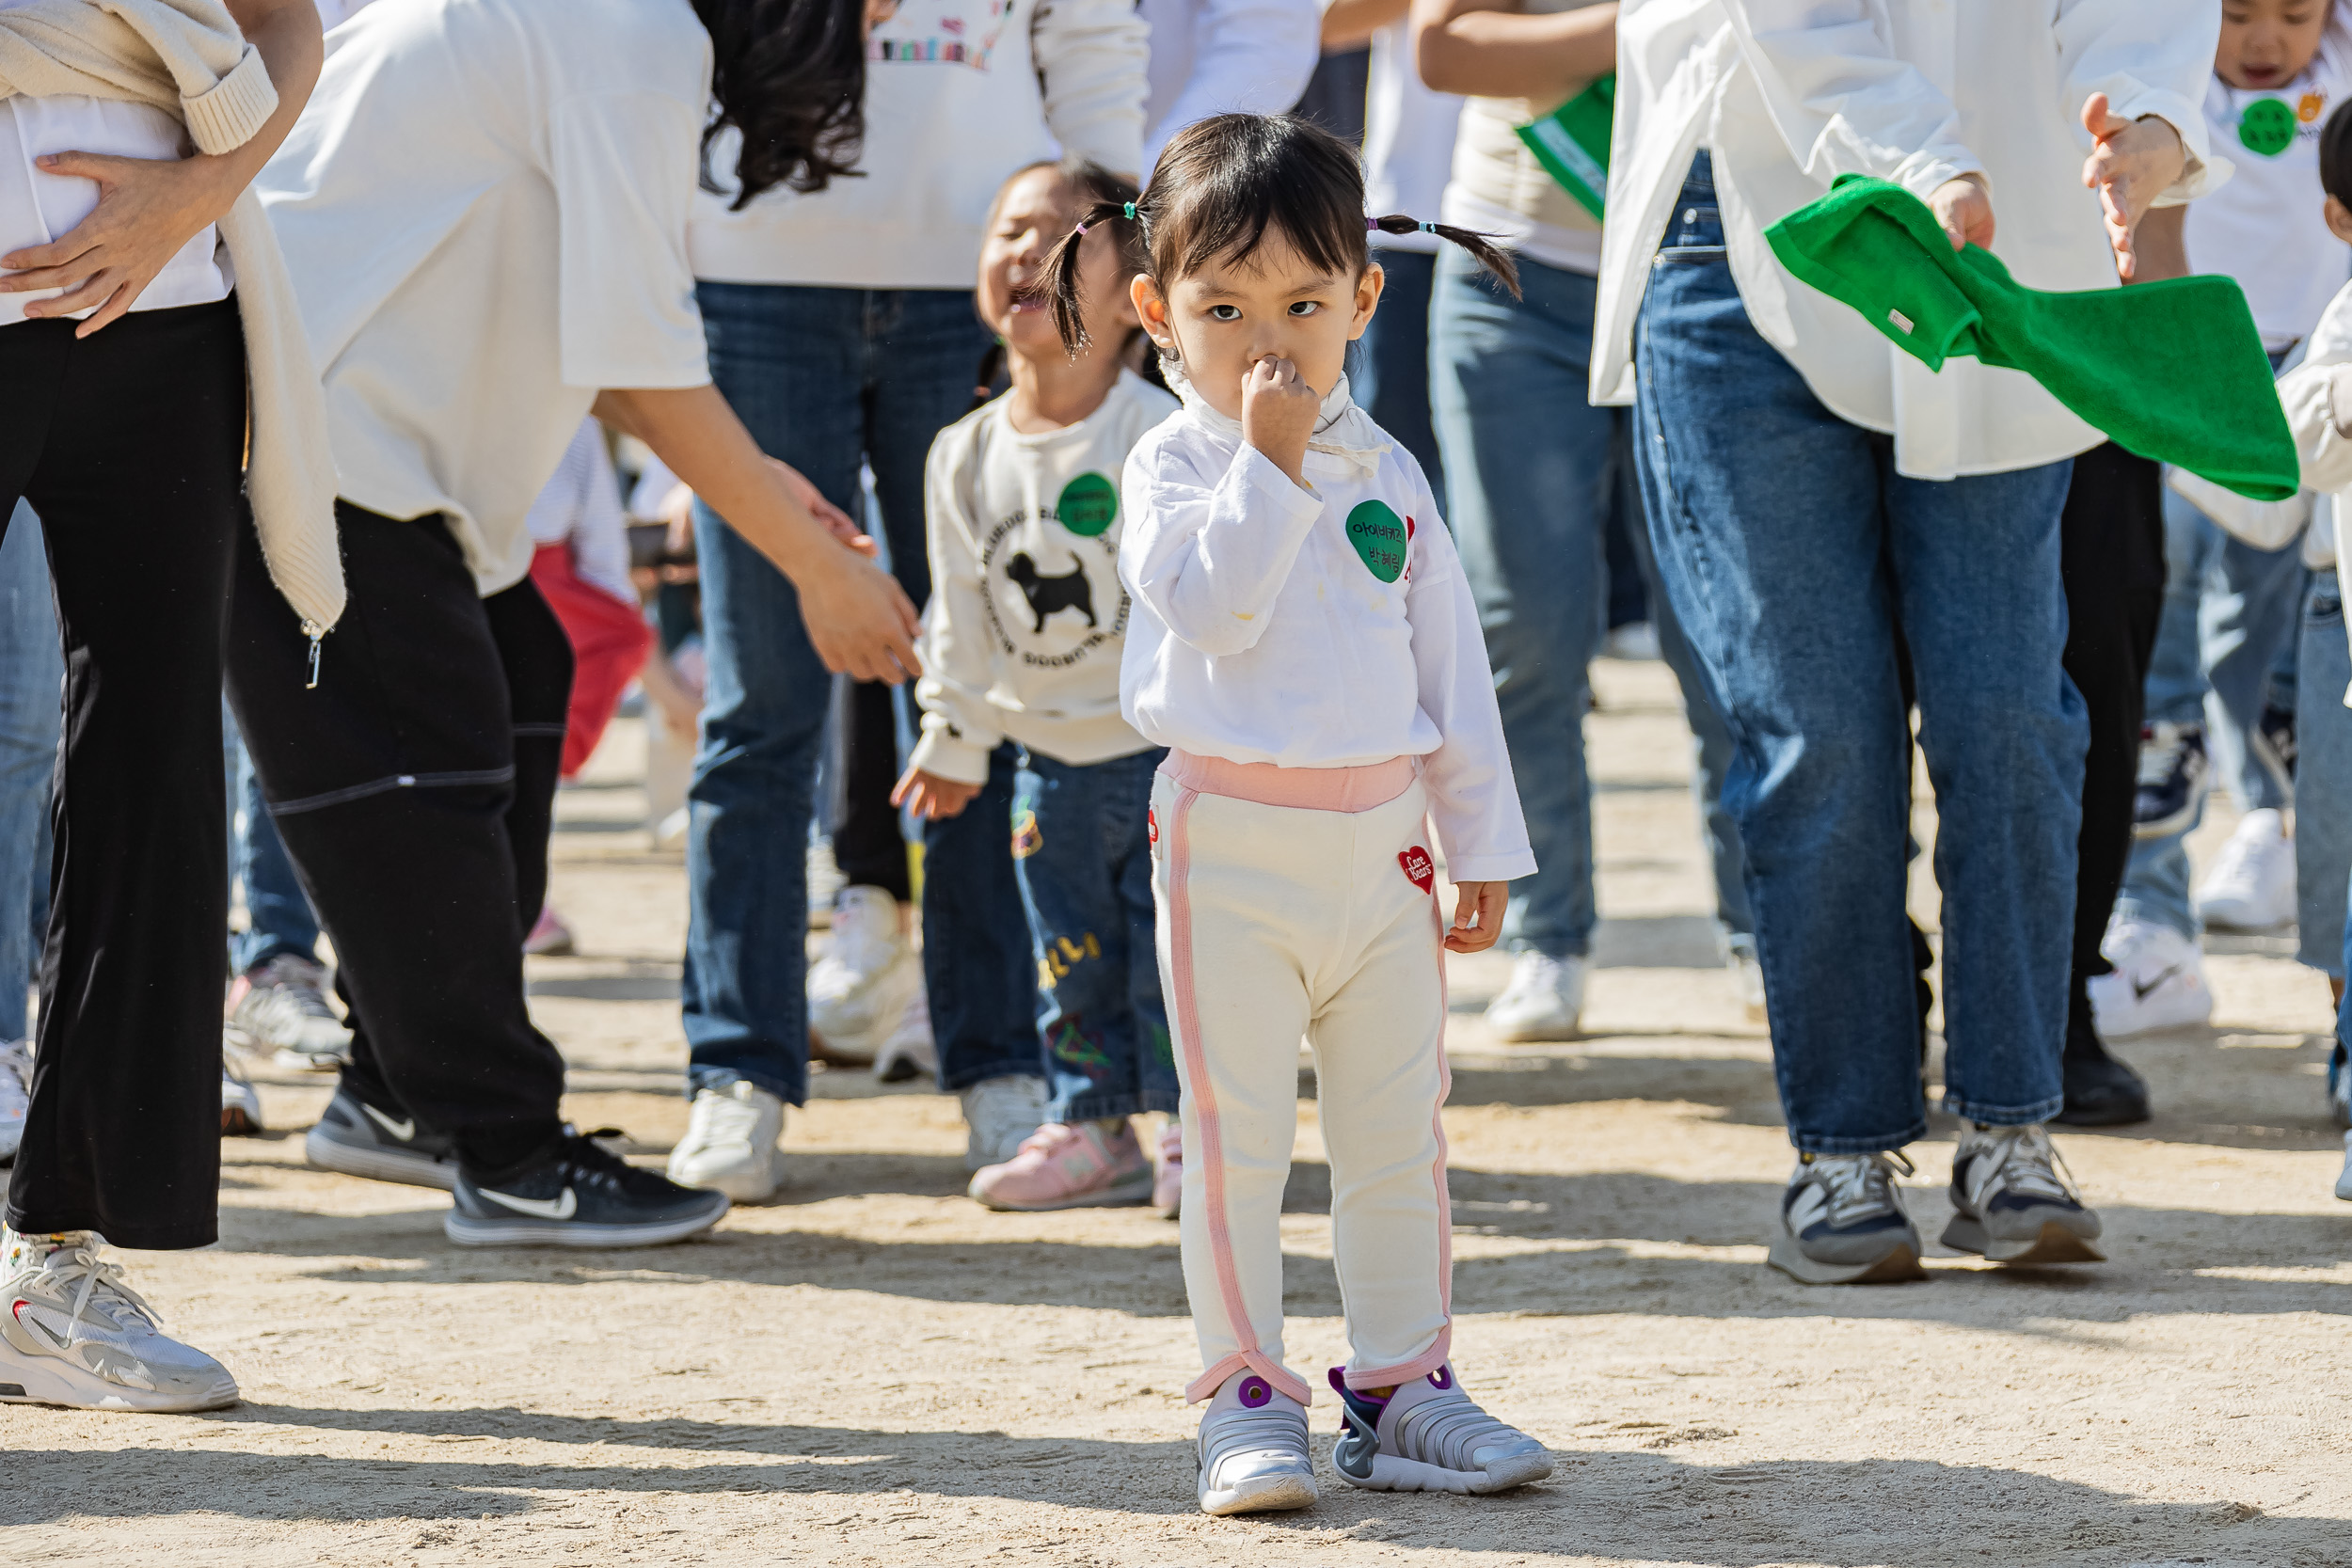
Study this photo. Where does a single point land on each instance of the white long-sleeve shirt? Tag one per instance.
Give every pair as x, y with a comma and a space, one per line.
1790, 94
2316, 396
1264, 631
959, 93
1022, 638
1225, 56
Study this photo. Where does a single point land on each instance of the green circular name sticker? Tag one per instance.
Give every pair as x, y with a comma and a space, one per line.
2267, 126
1379, 536
1088, 505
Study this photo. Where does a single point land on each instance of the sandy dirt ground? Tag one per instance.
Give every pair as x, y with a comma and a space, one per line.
872, 1370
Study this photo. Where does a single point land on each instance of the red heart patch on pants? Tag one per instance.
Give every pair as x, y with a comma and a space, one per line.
1418, 867
1151, 825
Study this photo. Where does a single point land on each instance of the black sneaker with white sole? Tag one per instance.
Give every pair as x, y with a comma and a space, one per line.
1842, 1222
2012, 1203
359, 1139
2174, 775
579, 1194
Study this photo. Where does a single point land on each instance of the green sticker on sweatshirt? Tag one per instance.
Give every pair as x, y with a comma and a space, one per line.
1380, 537
1088, 505
2266, 126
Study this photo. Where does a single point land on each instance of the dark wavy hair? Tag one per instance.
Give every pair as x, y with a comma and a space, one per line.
790, 75
1224, 183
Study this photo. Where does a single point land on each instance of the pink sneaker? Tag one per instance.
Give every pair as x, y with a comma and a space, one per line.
1167, 1186
548, 937
1060, 1166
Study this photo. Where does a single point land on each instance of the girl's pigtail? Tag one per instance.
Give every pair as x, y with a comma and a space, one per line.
1492, 257
1058, 283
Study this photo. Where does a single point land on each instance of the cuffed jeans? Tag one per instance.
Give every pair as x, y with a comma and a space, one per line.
31, 671
2230, 610
822, 378
977, 965
1796, 558
1082, 846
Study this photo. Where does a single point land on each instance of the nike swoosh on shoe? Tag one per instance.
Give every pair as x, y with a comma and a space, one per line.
404, 1131
2141, 992
545, 1208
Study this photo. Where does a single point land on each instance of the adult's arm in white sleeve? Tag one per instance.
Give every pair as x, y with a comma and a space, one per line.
1209, 557
1843, 101
1250, 56
2150, 58
1473, 800
959, 724
1090, 56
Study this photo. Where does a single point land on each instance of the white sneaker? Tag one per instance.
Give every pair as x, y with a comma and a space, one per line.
1252, 1450
73, 1334
1001, 1113
16, 1085
2251, 886
910, 1051
857, 992
2158, 983
730, 1143
1545, 1000
240, 1105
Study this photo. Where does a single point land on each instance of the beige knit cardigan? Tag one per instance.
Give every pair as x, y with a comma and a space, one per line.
188, 58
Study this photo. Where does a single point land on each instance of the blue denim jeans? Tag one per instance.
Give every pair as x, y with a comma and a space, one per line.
1082, 846
977, 962
1388, 373
32, 669
2230, 613
2323, 780
825, 379
1796, 557
278, 918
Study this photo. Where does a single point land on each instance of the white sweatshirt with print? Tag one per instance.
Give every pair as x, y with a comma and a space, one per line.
1021, 637
1328, 626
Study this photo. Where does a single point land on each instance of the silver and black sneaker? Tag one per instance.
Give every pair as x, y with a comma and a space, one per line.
1842, 1222
1252, 1450
359, 1139
282, 1007
1428, 1436
582, 1194
2011, 1200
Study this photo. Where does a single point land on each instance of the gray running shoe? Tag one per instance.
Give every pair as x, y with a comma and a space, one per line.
281, 1005
72, 1333
359, 1139
1429, 1437
1253, 1450
583, 1195
2012, 1202
1842, 1222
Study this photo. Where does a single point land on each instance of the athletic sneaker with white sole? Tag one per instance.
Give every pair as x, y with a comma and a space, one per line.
74, 1334
999, 1114
2174, 775
1252, 1450
2012, 1203
240, 1102
16, 1083
2158, 981
359, 1139
2251, 885
580, 1196
730, 1143
282, 1007
1545, 1000
1842, 1222
858, 991
1429, 1437
1065, 1166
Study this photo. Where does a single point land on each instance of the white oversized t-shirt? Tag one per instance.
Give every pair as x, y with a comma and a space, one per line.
484, 208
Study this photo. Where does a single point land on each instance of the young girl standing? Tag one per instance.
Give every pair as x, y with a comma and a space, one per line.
1303, 642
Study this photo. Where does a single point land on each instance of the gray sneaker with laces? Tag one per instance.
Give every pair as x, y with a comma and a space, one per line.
72, 1333
1430, 1436
1253, 1450
1842, 1222
2011, 1200
282, 1007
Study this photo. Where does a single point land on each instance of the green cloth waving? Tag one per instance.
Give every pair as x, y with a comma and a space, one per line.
2171, 371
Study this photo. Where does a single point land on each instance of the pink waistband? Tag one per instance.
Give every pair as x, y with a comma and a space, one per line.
1346, 789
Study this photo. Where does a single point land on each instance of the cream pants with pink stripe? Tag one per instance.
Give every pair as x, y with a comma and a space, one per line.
1278, 921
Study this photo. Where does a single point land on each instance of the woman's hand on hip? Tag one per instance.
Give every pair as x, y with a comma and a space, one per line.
148, 210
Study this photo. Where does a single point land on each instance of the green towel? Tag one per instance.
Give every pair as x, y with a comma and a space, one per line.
2172, 371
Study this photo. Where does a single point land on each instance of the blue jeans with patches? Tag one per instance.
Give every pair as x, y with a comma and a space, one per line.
1081, 847
976, 961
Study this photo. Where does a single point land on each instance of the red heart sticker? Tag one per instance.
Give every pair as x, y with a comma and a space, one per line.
1419, 869
1151, 825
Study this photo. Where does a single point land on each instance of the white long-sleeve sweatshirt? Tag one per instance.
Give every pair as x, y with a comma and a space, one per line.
1022, 638
959, 93
1322, 627
1225, 56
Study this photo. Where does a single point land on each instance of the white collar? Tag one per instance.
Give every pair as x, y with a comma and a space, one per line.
1343, 430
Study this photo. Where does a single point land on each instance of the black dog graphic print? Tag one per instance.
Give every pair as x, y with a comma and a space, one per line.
1071, 590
